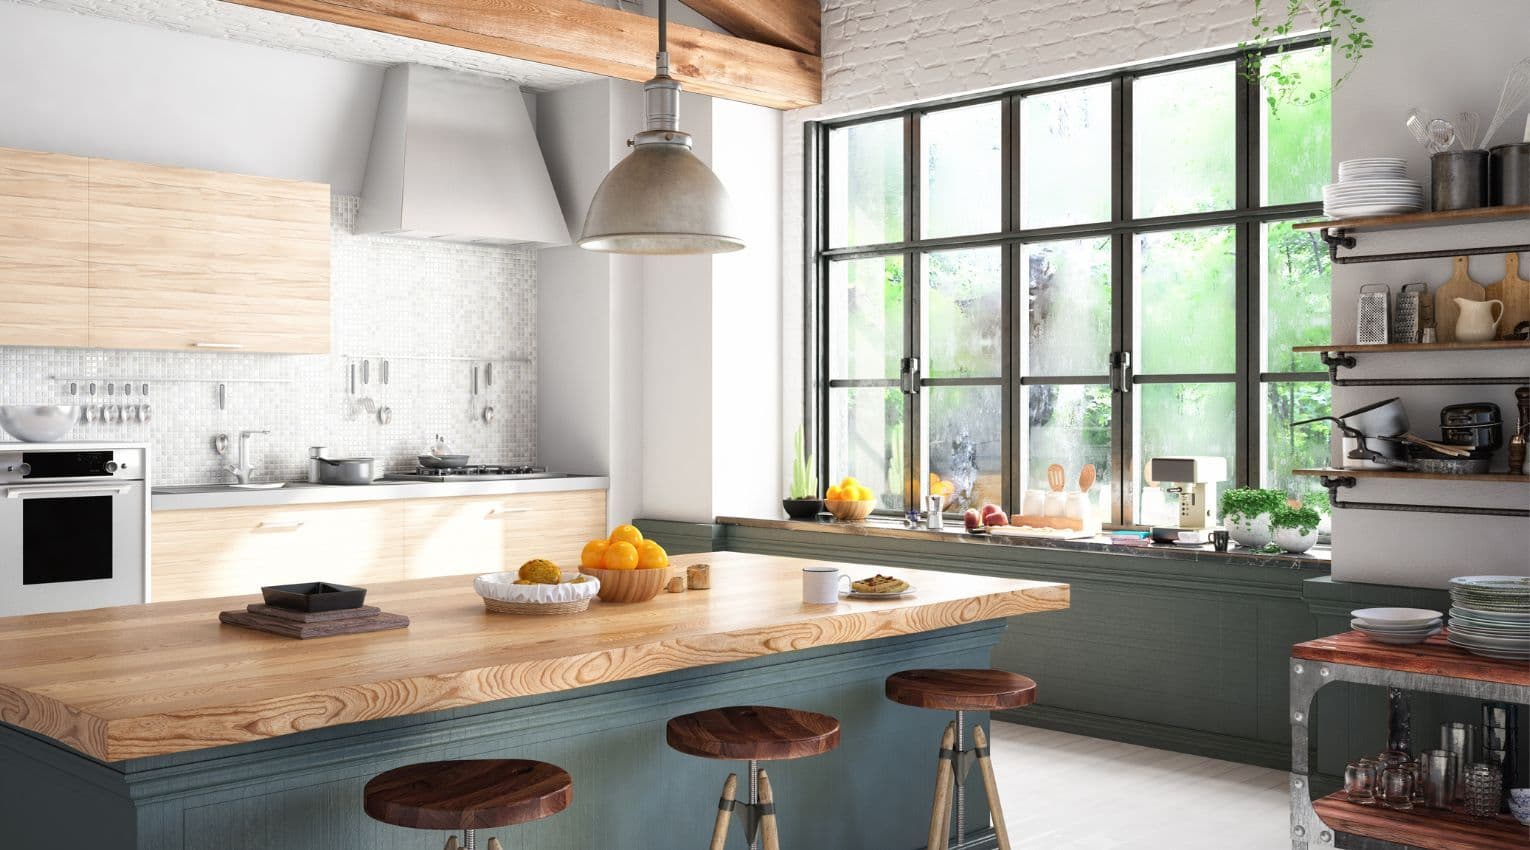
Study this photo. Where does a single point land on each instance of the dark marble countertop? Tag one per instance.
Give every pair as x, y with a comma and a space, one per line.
1319, 558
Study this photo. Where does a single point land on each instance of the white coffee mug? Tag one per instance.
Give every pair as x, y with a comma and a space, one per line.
820, 585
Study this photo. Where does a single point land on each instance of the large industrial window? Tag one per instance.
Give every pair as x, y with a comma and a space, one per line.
1098, 271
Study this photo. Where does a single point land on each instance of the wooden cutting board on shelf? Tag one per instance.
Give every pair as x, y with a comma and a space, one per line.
1446, 312
1514, 292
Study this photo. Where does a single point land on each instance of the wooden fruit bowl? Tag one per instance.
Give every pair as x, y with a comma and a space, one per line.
846, 511
628, 585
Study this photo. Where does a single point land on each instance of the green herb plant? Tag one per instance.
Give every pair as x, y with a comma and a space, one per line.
1304, 520
1274, 20
804, 480
1244, 503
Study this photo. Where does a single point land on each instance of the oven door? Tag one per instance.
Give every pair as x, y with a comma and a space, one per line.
69, 546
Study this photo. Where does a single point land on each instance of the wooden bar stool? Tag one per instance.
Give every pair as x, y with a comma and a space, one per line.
469, 795
752, 733
961, 691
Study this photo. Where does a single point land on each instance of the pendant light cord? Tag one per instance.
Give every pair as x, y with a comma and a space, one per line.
664, 26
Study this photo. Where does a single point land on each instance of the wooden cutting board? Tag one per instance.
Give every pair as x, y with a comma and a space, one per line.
1514, 292
379, 622
314, 616
1446, 312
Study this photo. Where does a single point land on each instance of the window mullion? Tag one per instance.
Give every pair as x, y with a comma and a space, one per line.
913, 289
1250, 458
1121, 295
1011, 304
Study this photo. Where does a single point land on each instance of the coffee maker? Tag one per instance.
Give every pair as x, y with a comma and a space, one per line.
1193, 480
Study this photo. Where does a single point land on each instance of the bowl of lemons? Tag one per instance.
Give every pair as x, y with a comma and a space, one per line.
849, 500
629, 568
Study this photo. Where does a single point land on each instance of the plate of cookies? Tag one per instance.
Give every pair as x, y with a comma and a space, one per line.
878, 587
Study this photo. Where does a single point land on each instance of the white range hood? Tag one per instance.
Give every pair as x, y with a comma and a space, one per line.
454, 157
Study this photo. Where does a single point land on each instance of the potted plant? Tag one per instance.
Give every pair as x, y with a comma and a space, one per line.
1295, 529
1319, 502
802, 501
1246, 512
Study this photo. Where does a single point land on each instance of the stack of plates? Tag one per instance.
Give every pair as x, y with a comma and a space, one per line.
1375, 186
1397, 626
1491, 615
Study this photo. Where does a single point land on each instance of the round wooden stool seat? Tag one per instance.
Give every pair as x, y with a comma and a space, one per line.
961, 690
468, 794
753, 733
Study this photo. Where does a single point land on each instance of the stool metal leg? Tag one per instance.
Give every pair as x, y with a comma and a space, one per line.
959, 770
991, 785
754, 796
469, 840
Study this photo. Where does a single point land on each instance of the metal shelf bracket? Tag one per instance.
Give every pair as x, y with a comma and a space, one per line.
1333, 483
1338, 237
1336, 360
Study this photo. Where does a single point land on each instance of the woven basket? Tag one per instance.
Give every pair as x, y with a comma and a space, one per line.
499, 607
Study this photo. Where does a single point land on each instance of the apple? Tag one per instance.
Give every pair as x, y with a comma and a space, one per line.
990, 509
972, 519
996, 518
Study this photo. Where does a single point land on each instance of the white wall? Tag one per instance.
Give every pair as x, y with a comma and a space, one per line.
92, 87
1419, 549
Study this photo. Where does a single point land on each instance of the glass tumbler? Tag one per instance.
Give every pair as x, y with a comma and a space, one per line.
1440, 770
1484, 790
1397, 787
1360, 782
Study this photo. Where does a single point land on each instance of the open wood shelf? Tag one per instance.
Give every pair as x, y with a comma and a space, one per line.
1422, 219
1430, 829
1353, 348
1494, 477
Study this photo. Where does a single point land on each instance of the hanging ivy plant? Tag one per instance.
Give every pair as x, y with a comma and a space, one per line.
1276, 19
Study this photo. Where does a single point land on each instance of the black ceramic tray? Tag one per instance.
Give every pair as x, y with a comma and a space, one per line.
314, 596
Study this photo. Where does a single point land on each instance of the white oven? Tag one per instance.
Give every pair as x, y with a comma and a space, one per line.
72, 528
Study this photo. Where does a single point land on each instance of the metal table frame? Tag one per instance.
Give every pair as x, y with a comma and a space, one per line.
1308, 677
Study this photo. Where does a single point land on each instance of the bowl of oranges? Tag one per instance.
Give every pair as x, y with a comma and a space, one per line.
849, 500
630, 569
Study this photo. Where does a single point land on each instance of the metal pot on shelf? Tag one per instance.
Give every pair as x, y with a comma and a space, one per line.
1376, 436
346, 470
1476, 425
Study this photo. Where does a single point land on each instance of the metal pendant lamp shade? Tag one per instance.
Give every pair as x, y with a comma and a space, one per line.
661, 199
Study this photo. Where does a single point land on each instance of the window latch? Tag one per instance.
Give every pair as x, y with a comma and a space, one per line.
908, 375
1121, 371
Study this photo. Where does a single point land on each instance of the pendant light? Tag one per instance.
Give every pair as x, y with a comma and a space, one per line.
661, 199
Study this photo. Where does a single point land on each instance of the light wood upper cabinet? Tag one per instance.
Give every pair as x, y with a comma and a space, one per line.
43, 233
231, 551
186, 259
484, 534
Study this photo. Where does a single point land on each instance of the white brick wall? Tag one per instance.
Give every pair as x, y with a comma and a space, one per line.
881, 54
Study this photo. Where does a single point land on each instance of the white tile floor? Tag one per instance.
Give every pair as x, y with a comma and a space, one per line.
1069, 792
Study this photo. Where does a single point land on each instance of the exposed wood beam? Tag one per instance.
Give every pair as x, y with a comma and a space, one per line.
584, 37
792, 24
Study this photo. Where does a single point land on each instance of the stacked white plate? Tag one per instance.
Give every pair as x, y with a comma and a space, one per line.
1373, 186
1490, 615
1397, 626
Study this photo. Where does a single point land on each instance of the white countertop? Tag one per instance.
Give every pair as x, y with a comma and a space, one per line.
302, 493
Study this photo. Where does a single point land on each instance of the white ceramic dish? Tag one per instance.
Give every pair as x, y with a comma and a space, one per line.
1489, 616
1399, 640
1363, 626
1479, 639
1512, 584
1353, 212
1396, 616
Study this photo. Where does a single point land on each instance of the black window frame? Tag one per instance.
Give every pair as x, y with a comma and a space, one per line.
1247, 216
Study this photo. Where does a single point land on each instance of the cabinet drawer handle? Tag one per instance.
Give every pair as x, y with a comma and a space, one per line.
503, 511
226, 346
289, 525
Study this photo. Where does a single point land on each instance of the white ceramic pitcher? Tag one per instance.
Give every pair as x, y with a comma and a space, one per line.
1477, 323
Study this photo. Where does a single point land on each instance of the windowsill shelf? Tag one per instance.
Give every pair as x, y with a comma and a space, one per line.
1479, 215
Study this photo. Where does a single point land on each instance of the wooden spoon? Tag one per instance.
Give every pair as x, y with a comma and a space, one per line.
1086, 478
1055, 478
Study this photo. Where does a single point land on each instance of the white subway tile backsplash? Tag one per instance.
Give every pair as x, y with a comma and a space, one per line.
413, 302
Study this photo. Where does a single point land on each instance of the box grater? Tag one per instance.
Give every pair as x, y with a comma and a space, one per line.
1407, 321
1375, 309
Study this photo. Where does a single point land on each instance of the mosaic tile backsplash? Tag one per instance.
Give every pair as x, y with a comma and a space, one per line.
433, 310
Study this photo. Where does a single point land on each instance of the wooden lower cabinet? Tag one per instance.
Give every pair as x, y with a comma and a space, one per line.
233, 551
484, 534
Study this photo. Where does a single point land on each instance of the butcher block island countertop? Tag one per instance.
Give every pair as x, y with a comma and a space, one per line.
151, 680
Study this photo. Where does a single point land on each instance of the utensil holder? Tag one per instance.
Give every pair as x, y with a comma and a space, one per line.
1510, 175
1458, 180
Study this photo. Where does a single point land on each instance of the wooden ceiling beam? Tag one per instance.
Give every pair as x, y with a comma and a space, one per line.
583, 37
792, 24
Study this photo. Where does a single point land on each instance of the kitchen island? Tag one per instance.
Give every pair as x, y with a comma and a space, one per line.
156, 727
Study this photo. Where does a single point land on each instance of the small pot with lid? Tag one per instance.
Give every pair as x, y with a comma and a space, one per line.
1478, 425
345, 470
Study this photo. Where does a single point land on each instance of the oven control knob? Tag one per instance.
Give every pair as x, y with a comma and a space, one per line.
111, 466
22, 469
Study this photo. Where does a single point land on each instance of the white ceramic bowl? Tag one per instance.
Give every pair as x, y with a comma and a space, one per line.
38, 423
1397, 616
1519, 804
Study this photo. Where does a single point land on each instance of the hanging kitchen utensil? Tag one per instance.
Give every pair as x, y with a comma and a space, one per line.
1371, 321
366, 372
1514, 292
145, 413
1086, 478
1516, 90
488, 415
220, 444
351, 378
223, 397
1056, 478
1467, 125
1405, 319
1416, 127
383, 366
1442, 135
384, 415
1446, 312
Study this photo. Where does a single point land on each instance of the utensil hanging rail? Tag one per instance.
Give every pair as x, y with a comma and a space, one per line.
1333, 483
153, 380
1338, 237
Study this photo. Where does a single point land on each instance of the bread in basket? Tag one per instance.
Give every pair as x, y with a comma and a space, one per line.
503, 596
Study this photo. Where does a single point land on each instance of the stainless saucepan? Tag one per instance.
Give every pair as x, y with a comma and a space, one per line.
346, 470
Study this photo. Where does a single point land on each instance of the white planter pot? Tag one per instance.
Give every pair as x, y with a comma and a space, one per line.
1294, 541
1251, 533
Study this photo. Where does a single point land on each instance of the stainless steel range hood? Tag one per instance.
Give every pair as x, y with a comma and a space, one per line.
454, 157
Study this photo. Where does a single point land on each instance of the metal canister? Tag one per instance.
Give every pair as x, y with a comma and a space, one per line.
1510, 168
1458, 180
314, 453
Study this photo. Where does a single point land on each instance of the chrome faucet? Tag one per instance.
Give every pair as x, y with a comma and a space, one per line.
243, 471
